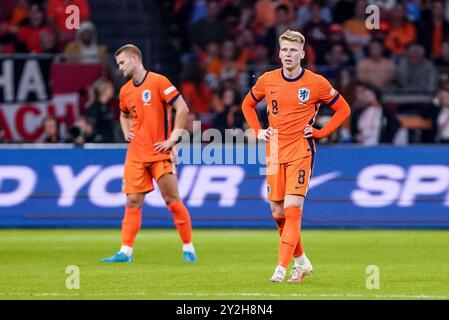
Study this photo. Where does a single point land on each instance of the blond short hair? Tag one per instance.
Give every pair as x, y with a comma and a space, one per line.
129, 48
293, 36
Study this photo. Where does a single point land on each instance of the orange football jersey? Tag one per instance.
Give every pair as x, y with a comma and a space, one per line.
291, 105
150, 105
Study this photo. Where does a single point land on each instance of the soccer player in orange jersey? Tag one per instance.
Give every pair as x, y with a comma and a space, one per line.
146, 103
293, 95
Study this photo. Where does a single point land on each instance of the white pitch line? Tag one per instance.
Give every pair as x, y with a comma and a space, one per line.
301, 295
72, 294
242, 294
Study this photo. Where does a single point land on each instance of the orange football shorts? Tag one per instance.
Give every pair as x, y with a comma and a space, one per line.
138, 176
289, 178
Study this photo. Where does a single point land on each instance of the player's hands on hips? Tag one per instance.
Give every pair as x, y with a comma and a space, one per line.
265, 134
308, 131
163, 146
311, 132
129, 135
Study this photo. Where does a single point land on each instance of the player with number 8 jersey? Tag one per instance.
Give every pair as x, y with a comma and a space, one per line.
294, 96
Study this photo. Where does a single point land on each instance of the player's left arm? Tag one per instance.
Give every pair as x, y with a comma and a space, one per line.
336, 102
172, 97
182, 110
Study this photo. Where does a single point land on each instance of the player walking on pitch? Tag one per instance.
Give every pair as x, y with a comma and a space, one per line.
146, 102
293, 95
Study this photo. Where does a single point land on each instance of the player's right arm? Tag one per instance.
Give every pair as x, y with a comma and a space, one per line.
254, 96
125, 118
125, 124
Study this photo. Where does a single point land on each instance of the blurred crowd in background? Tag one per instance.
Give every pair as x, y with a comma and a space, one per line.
395, 76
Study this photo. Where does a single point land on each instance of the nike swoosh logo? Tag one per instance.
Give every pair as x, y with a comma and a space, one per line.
316, 181
273, 92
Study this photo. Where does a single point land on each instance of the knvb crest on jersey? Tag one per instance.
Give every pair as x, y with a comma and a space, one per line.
146, 97
303, 94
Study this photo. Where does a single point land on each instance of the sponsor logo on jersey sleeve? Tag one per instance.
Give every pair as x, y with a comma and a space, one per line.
169, 90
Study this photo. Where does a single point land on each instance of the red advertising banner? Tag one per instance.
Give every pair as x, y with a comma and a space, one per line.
33, 88
23, 122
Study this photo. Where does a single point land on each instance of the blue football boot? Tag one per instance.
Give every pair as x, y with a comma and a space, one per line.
189, 256
118, 257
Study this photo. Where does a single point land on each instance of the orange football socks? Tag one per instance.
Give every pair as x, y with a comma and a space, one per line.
181, 218
131, 225
290, 235
280, 222
299, 249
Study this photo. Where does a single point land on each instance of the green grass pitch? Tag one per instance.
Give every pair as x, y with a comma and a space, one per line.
232, 264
